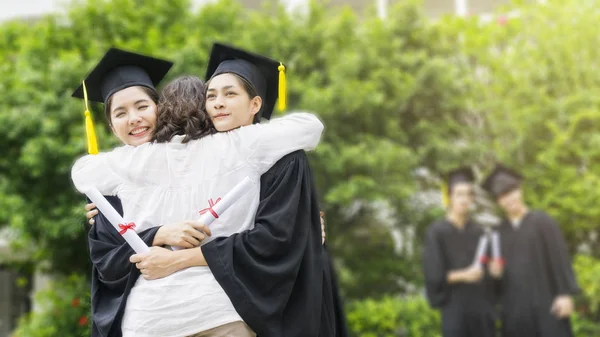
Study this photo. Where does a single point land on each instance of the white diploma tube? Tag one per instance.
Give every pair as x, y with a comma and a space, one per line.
217, 207
125, 229
496, 253
481, 248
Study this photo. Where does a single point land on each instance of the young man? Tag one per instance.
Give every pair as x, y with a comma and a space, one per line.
538, 282
455, 282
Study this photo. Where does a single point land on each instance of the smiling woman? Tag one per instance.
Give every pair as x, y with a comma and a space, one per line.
125, 82
131, 114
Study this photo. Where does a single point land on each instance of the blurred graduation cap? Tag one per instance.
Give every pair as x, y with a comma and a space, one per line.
502, 180
460, 175
265, 74
117, 70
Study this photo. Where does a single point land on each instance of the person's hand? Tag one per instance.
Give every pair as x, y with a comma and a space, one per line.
496, 268
562, 307
322, 227
472, 274
91, 212
187, 234
157, 263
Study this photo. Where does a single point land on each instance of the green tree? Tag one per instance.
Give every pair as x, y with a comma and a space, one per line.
387, 91
536, 82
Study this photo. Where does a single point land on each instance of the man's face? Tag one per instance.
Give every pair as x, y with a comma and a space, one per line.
461, 198
511, 202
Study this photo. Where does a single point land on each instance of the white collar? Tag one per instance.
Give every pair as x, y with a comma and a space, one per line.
177, 139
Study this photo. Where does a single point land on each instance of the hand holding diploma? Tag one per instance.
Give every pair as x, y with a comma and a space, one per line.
216, 208
124, 228
219, 206
474, 273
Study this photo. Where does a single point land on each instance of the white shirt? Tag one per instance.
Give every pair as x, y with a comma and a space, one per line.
170, 182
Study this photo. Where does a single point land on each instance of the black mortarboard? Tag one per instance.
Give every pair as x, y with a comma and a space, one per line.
120, 69
266, 75
460, 175
502, 180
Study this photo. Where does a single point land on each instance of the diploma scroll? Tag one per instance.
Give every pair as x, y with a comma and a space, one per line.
496, 253
480, 256
124, 228
216, 208
495, 245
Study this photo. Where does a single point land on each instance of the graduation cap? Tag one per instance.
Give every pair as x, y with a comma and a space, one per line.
118, 70
460, 175
265, 74
502, 180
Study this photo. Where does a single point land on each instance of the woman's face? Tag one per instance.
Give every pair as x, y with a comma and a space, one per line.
228, 104
132, 116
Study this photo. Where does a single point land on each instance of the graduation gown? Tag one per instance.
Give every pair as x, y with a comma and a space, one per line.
467, 309
113, 275
537, 270
278, 275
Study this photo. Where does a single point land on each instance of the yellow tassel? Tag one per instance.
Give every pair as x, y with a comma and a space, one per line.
282, 87
92, 142
445, 196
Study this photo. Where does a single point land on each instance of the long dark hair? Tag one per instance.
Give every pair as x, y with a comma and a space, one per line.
180, 111
107, 106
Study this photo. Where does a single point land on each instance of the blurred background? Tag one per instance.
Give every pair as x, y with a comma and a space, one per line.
407, 90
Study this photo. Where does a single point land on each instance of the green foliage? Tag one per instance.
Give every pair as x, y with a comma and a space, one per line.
395, 95
392, 317
411, 316
64, 311
387, 91
535, 86
584, 327
587, 269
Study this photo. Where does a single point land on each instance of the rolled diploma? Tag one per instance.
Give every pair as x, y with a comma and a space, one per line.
226, 201
138, 245
496, 245
481, 248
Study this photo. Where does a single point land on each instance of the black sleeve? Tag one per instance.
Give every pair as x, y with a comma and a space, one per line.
435, 270
495, 285
113, 275
275, 270
561, 269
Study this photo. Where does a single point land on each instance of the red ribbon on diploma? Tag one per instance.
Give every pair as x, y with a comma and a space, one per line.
125, 227
210, 209
484, 259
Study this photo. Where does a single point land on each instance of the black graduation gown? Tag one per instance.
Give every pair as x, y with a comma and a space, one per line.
113, 275
278, 275
467, 309
537, 270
